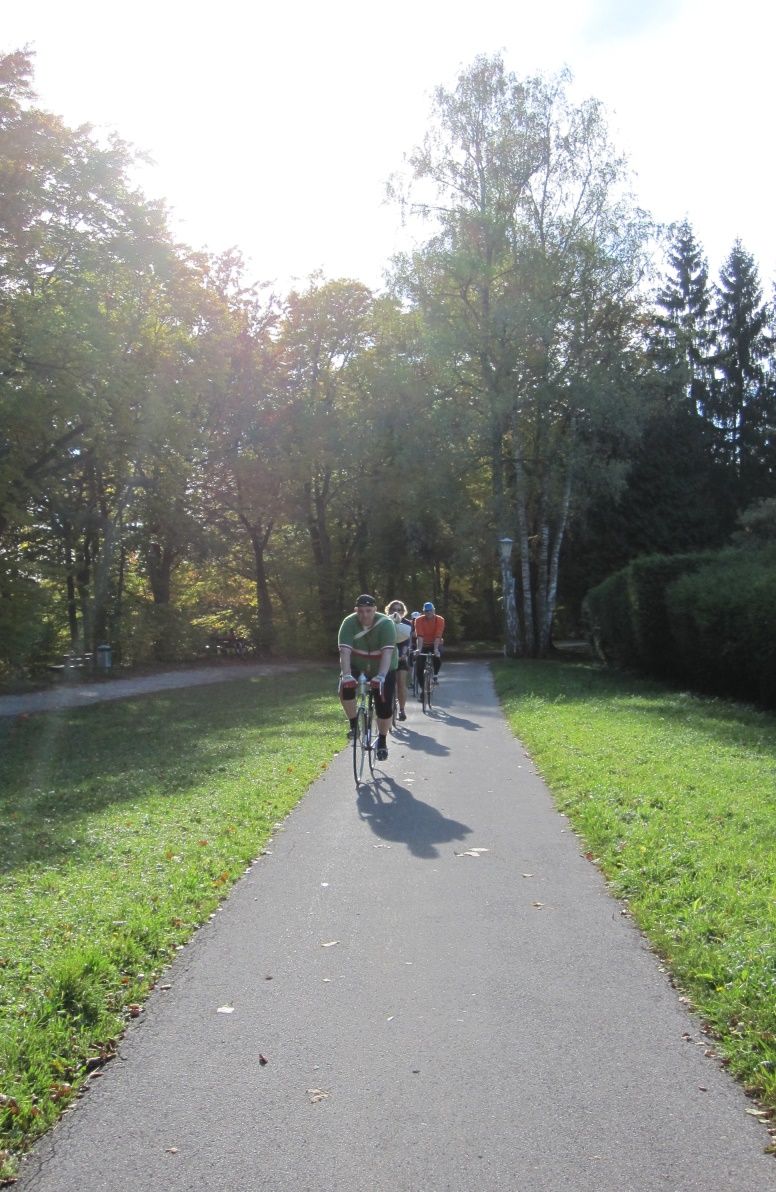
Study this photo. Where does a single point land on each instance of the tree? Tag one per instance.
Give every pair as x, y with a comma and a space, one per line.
743, 401
682, 342
530, 288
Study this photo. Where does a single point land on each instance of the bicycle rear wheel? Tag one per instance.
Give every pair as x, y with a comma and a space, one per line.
360, 738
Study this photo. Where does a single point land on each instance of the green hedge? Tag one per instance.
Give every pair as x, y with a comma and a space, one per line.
627, 615
706, 619
723, 625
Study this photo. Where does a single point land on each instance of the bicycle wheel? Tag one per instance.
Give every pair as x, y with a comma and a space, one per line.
360, 738
428, 684
370, 735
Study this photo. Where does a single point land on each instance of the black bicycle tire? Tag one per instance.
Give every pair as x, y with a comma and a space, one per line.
428, 683
371, 736
358, 746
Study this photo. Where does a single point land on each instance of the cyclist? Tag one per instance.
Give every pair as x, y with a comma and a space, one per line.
397, 610
429, 630
367, 643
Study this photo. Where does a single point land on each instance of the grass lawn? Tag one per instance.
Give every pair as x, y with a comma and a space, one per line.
122, 826
675, 798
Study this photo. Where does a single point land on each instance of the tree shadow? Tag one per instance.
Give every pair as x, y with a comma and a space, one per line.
394, 814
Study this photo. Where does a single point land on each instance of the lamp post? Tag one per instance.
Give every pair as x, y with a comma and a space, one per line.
508, 588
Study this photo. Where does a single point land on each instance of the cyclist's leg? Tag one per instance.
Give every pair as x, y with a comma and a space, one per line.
348, 701
383, 705
420, 666
401, 687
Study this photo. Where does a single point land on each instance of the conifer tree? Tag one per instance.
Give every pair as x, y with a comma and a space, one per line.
743, 400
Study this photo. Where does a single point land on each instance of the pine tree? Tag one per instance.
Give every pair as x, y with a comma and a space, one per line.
682, 343
743, 399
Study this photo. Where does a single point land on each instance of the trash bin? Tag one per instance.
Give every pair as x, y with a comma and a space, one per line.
104, 658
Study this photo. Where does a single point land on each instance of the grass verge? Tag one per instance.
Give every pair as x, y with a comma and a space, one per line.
122, 826
675, 797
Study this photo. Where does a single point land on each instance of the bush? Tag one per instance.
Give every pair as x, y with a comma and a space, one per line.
723, 623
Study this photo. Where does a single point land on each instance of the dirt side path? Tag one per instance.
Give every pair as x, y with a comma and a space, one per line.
83, 694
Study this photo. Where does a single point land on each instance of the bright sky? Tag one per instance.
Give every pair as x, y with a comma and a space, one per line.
275, 127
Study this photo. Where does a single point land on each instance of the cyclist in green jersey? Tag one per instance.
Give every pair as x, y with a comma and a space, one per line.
367, 644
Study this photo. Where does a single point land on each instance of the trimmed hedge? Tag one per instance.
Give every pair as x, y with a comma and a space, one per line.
706, 619
723, 625
627, 614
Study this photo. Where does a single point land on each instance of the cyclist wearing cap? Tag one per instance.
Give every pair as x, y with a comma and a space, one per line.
429, 630
367, 644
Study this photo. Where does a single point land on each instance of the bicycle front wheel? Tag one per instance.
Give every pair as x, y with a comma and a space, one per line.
428, 685
371, 735
360, 745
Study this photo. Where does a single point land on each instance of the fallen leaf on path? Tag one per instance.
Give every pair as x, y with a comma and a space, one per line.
472, 852
537, 904
330, 943
528, 875
172, 1150
134, 1010
225, 1010
760, 1113
381, 846
316, 1095
263, 1059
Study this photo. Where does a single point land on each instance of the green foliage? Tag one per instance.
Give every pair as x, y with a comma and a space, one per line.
627, 614
723, 625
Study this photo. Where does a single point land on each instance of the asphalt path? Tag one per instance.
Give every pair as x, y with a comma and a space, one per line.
446, 998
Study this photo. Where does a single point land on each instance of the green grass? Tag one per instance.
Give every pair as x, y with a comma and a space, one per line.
122, 827
675, 797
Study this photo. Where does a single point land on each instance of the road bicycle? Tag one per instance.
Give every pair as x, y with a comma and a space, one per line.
364, 735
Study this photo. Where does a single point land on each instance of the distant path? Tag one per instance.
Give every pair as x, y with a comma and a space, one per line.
82, 694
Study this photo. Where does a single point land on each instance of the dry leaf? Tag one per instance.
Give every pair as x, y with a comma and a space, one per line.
172, 1150
472, 852
225, 1010
330, 944
316, 1095
528, 875
263, 1059
537, 904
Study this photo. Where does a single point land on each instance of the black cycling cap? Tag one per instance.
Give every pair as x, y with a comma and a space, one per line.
365, 600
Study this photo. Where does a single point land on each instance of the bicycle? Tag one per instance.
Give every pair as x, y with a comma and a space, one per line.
364, 735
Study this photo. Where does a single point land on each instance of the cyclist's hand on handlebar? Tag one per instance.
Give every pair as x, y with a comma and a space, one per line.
348, 683
378, 683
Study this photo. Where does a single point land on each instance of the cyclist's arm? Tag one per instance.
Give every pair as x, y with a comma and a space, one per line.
344, 653
386, 657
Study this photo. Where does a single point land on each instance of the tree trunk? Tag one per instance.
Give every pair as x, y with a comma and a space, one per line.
265, 628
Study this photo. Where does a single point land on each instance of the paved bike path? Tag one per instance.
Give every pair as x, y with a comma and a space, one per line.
446, 997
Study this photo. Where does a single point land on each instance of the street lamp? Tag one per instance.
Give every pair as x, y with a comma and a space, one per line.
505, 545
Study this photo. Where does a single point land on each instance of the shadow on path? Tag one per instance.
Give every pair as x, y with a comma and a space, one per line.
396, 815
454, 721
415, 740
